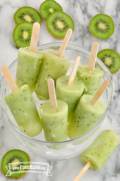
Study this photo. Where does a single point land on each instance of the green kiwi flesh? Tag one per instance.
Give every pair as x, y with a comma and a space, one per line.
58, 23
101, 26
22, 34
18, 161
27, 14
48, 7
110, 58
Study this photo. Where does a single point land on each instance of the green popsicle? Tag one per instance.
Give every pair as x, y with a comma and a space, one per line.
85, 116
100, 150
54, 121
69, 93
23, 109
52, 67
91, 79
28, 67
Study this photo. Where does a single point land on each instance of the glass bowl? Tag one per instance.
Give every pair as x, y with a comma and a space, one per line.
69, 148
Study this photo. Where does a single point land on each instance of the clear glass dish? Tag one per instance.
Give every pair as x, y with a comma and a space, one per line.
69, 148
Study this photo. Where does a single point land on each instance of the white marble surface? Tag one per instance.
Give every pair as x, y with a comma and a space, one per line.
81, 11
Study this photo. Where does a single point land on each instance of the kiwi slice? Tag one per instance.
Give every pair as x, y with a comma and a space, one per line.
27, 14
48, 7
110, 58
58, 23
22, 34
17, 162
101, 26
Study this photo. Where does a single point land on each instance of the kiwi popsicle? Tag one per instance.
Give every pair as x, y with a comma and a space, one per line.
70, 88
23, 109
54, 66
85, 116
69, 93
91, 79
54, 116
29, 61
28, 67
87, 113
54, 121
100, 150
91, 76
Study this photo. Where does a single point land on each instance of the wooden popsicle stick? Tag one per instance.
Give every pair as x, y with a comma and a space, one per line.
9, 78
52, 94
82, 171
100, 92
34, 37
73, 73
93, 56
64, 43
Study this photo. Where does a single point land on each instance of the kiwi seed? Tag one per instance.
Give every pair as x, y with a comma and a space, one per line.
22, 34
15, 160
27, 14
58, 23
110, 58
48, 7
101, 26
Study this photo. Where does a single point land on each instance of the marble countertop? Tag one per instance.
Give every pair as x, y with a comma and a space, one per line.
81, 11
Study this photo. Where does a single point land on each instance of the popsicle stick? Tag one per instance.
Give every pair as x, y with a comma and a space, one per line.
73, 73
9, 78
100, 92
34, 37
93, 56
82, 171
52, 94
64, 43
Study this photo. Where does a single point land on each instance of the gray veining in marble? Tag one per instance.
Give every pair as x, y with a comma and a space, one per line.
81, 11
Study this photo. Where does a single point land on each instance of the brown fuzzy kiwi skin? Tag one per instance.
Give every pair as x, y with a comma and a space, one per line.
54, 35
21, 175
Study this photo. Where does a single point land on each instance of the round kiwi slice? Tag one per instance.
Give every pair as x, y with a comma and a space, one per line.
15, 164
48, 7
110, 58
58, 23
101, 26
22, 34
27, 14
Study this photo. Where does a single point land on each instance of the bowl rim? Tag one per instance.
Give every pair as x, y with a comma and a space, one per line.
88, 133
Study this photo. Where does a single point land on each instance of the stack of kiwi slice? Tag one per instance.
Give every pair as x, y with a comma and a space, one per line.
57, 22
102, 26
24, 19
15, 164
